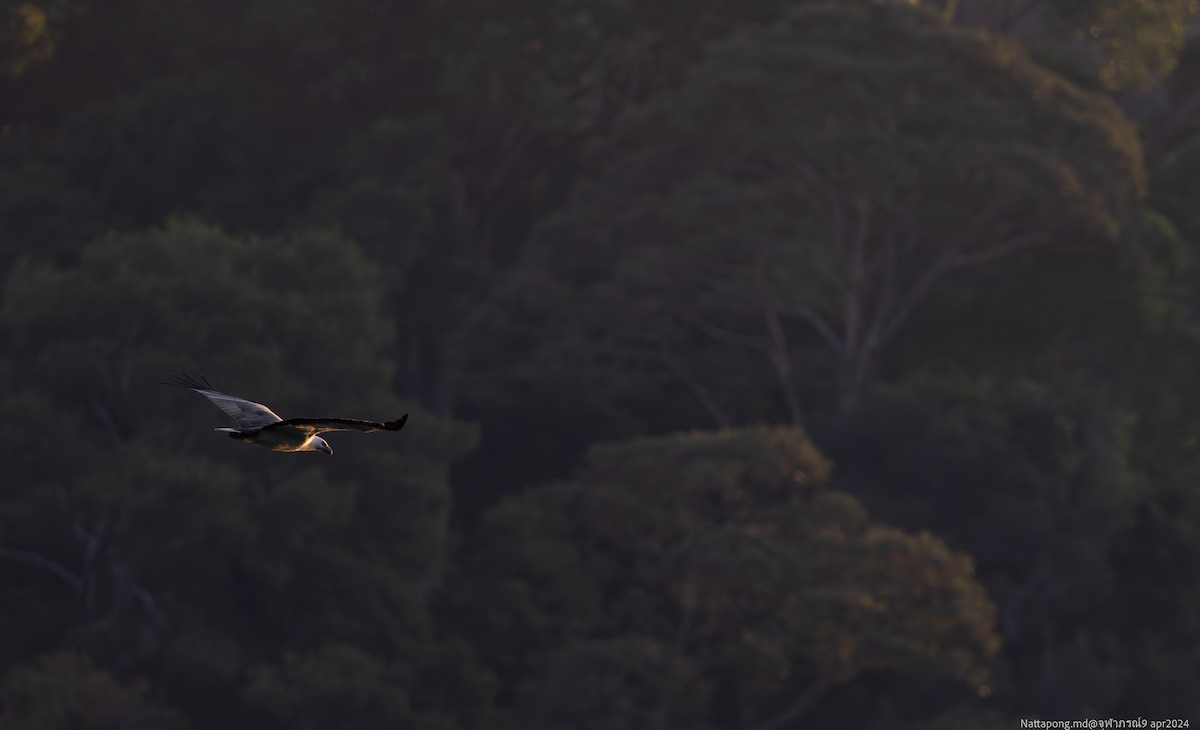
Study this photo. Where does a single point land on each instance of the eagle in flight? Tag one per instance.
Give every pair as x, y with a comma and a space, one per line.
257, 424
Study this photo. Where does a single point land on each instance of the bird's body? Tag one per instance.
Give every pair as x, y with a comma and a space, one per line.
257, 424
280, 438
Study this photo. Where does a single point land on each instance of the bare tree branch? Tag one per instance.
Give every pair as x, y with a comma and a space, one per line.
852, 294
40, 561
151, 605
995, 252
890, 262
782, 361
940, 264
723, 335
92, 541
693, 383
902, 222
778, 352
800, 706
813, 317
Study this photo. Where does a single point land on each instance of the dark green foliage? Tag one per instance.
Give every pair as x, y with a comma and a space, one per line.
677, 575
1139, 42
241, 584
927, 230
732, 214
64, 691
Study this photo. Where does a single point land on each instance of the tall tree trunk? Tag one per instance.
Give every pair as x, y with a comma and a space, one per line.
781, 361
856, 366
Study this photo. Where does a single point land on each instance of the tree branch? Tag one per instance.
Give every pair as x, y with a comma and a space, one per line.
105, 416
702, 394
939, 266
1013, 244
722, 334
151, 605
782, 362
40, 561
92, 541
800, 706
817, 321
891, 266
851, 295
778, 351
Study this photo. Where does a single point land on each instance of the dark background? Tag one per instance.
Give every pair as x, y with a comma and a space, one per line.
771, 364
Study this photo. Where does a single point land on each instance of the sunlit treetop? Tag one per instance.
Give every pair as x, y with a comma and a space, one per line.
25, 37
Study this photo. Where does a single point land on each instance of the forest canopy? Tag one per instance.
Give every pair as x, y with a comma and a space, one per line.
771, 364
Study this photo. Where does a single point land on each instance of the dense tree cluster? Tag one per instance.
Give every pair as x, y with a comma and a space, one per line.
772, 363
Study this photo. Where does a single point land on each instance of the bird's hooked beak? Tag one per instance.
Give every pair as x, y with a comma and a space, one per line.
323, 445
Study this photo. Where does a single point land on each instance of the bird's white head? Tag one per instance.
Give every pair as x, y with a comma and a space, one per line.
320, 444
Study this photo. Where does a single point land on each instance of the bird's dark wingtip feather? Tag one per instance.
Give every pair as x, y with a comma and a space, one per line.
183, 380
397, 424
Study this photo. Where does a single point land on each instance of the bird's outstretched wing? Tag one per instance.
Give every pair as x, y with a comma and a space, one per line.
248, 414
321, 425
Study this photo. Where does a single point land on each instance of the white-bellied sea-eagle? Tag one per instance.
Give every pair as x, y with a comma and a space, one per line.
257, 424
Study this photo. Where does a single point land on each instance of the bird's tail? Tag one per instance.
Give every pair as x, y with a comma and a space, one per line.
228, 430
